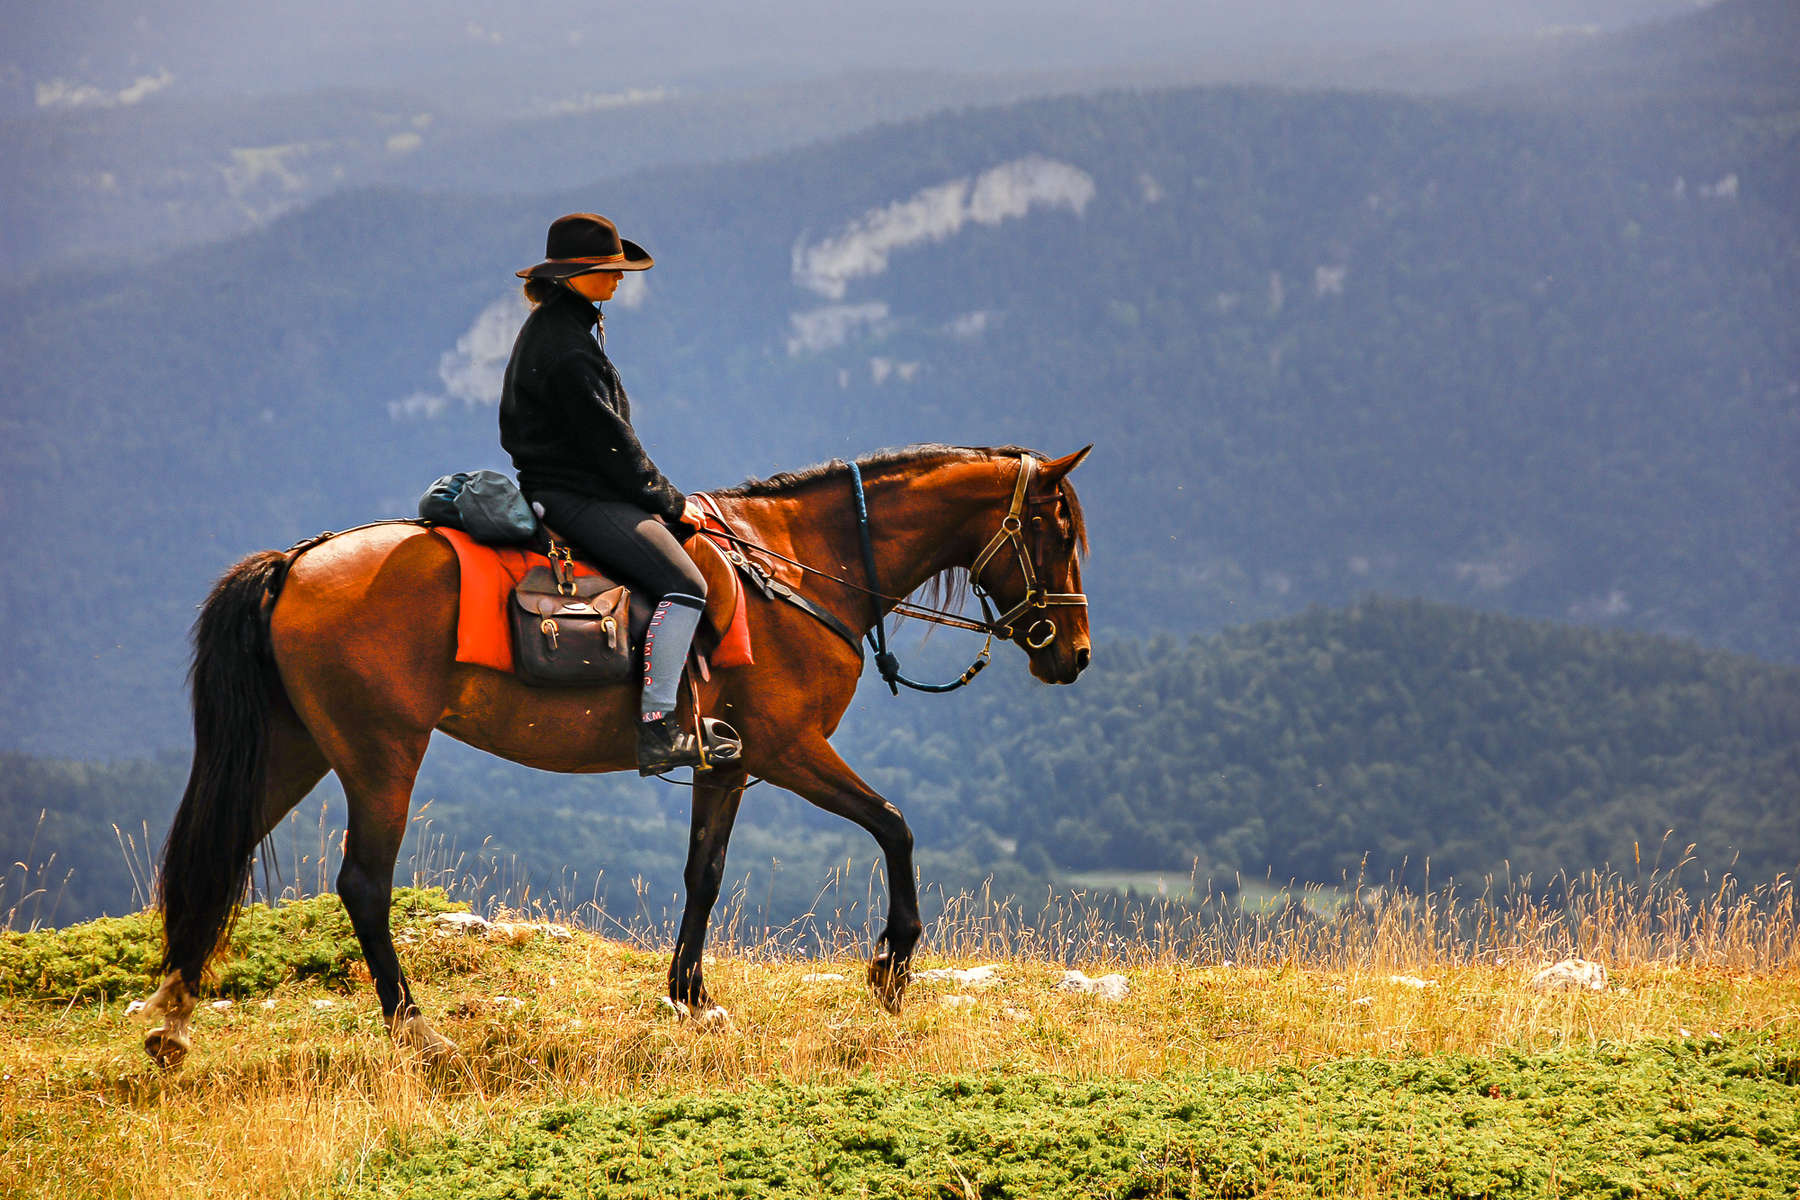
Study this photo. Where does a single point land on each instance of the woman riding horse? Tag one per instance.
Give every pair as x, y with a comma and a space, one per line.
339, 656
565, 420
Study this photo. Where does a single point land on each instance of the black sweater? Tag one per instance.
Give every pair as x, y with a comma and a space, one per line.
564, 417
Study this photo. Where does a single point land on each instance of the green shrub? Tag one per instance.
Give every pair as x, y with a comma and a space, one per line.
118, 956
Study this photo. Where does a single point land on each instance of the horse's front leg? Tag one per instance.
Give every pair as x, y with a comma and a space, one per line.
715, 811
814, 771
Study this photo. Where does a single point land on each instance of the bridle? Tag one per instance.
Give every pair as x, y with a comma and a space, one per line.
1039, 634
1012, 529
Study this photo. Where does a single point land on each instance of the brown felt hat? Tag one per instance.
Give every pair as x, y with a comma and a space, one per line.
584, 242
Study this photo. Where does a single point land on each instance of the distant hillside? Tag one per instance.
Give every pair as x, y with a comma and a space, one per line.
1375, 740
1542, 362
1735, 51
96, 175
101, 185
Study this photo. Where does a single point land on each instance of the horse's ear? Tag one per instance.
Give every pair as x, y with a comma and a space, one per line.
1054, 470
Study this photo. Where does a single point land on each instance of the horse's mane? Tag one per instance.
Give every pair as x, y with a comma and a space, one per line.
944, 590
782, 483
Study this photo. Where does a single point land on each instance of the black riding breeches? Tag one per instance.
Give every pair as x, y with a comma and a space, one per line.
625, 540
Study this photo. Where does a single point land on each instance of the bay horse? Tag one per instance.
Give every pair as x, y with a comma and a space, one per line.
342, 658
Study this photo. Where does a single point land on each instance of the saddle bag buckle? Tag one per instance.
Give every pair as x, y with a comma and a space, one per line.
562, 564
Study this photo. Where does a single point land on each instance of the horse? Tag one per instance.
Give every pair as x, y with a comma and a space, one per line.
339, 656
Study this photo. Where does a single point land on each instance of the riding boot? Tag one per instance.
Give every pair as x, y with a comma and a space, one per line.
662, 744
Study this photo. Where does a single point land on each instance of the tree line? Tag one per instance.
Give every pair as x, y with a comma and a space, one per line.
1366, 741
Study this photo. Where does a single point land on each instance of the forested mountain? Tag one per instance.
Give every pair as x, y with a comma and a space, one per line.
1530, 358
211, 136
102, 185
1372, 740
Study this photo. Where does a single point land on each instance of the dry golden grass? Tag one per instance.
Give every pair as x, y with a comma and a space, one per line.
284, 1100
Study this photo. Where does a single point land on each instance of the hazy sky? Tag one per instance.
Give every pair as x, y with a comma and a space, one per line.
119, 52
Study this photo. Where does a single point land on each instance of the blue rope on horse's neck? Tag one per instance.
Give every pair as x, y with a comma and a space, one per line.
886, 663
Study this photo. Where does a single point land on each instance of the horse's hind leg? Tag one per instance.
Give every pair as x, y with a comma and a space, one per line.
379, 791
293, 767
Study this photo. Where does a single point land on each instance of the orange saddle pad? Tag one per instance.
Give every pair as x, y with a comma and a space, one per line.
489, 574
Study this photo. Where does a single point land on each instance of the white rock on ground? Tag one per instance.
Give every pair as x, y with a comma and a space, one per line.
219, 1005
451, 923
716, 1017
1412, 981
467, 922
976, 977
1107, 987
822, 977
956, 1001
136, 1006
1570, 975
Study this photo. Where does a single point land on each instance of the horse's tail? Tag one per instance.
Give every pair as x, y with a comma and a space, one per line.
206, 859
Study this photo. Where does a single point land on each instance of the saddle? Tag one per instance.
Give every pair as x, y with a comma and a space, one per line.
491, 574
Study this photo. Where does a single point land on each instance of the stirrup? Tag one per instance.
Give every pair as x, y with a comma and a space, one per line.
721, 743
665, 746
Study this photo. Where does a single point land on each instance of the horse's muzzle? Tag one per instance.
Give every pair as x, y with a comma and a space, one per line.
1059, 663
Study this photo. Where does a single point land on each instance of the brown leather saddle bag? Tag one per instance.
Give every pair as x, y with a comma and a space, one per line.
570, 632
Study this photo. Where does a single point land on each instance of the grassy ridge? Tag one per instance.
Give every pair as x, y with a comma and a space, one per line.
1695, 1118
1380, 1055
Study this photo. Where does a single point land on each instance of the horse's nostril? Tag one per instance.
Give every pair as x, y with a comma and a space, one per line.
1081, 659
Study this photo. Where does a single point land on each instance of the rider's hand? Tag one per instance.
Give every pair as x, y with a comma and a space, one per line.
693, 514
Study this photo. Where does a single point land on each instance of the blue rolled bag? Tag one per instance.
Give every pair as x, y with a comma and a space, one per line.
486, 505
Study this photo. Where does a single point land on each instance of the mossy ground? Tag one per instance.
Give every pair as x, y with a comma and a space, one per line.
1207, 1079
117, 956
1695, 1118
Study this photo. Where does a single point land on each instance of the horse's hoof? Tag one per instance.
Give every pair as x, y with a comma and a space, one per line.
705, 1015
415, 1033
434, 1048
166, 1049
888, 982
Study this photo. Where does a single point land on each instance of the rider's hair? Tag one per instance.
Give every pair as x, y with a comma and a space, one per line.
539, 290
